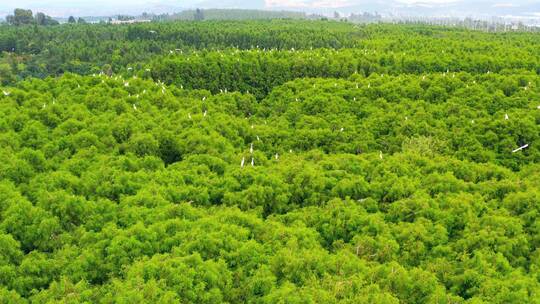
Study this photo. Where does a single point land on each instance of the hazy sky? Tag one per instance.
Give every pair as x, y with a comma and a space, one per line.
109, 7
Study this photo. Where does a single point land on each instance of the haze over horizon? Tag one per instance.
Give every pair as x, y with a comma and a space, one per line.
438, 8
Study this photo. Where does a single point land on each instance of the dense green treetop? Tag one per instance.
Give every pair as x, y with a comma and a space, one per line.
128, 190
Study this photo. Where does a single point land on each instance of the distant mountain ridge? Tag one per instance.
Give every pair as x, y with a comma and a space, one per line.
426, 8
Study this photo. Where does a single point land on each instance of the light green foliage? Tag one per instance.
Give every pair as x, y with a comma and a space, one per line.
321, 186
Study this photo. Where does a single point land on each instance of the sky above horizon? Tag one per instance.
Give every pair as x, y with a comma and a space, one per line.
59, 8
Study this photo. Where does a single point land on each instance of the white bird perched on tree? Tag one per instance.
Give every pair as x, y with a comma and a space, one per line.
134, 107
258, 139
129, 68
242, 162
148, 70
204, 98
506, 116
44, 105
189, 115
252, 162
6, 93
277, 156
126, 84
520, 148
538, 107
204, 114
251, 148
341, 130
380, 155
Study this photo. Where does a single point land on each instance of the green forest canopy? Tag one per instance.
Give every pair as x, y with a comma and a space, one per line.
327, 164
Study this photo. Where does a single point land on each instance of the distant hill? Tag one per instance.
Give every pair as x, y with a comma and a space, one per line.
236, 14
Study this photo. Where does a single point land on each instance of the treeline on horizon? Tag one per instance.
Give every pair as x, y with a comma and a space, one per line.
276, 161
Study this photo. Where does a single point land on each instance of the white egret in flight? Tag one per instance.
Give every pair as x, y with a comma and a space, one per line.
520, 148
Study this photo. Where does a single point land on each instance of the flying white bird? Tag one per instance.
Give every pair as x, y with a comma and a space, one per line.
520, 148
7, 94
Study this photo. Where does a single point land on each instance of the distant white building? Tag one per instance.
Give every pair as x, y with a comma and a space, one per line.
130, 21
